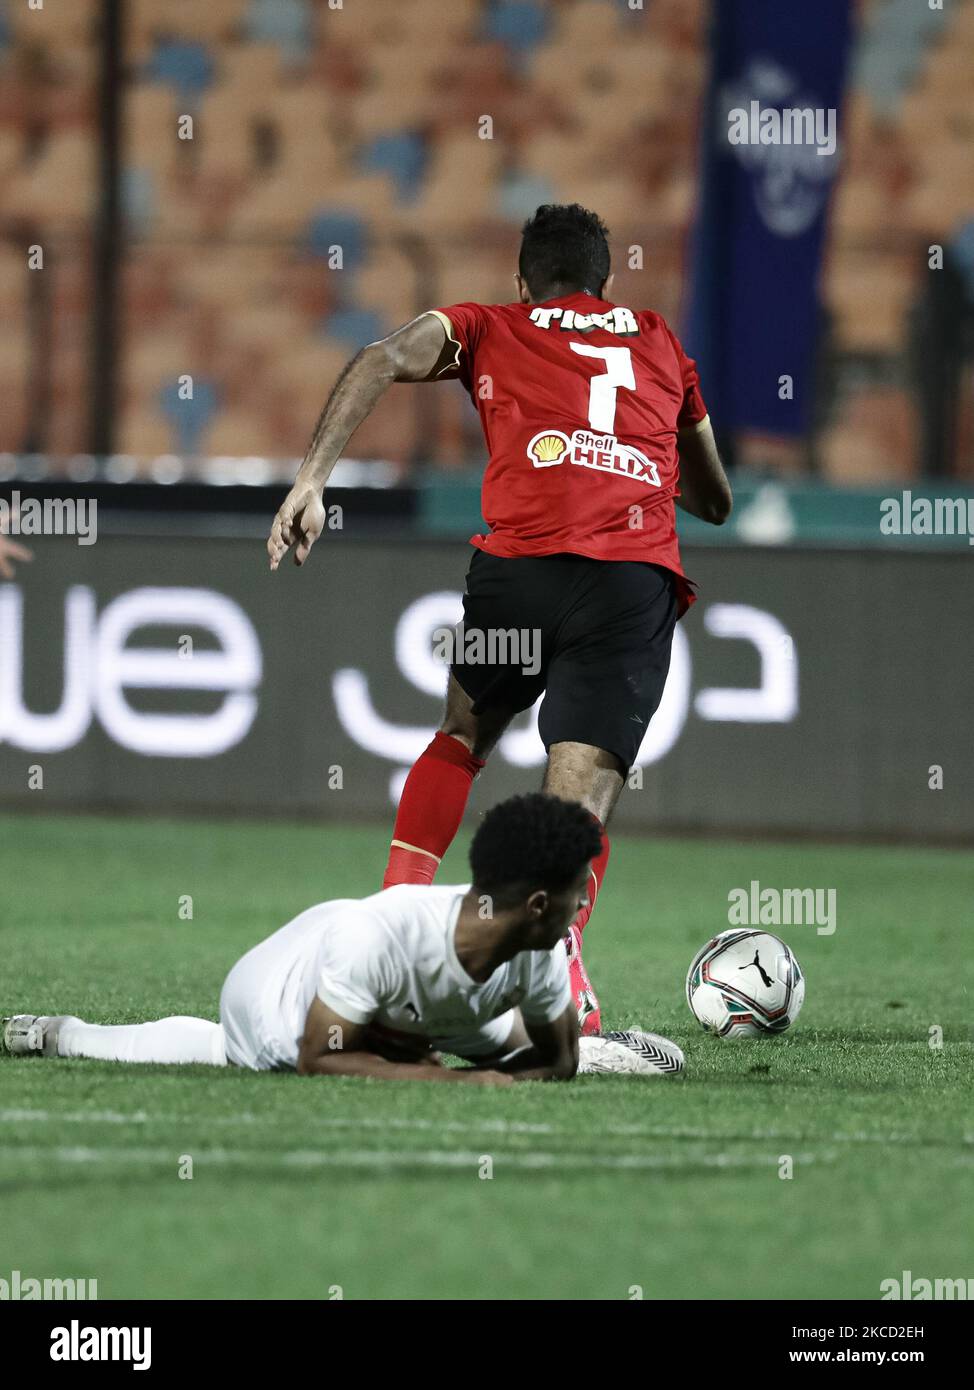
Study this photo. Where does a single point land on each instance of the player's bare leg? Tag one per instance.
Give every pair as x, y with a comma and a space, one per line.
436, 790
595, 777
478, 732
581, 772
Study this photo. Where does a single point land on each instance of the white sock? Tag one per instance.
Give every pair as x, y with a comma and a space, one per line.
177, 1039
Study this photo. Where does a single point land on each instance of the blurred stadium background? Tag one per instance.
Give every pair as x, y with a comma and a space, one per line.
239, 194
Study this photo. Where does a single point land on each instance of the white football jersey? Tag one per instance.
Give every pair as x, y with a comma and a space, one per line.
388, 959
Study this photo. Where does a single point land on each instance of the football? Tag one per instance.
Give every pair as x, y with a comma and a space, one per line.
745, 984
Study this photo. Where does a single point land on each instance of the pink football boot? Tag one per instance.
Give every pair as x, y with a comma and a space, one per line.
586, 1000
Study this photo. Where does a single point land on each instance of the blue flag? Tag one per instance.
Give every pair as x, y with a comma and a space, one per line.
769, 161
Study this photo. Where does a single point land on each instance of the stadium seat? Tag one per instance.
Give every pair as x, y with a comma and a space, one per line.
150, 128
388, 283
353, 327
222, 136
224, 277
53, 28
588, 25
458, 189
518, 194
11, 150
253, 71
189, 417
612, 196
520, 24
411, 104
263, 327
401, 155
568, 152
308, 369
242, 431
357, 126
859, 209
284, 22
331, 228
156, 359
870, 294
141, 430
186, 66
185, 19
58, 184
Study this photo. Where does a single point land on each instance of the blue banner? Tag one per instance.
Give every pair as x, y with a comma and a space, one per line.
770, 158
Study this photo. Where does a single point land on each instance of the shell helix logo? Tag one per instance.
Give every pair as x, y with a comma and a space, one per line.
546, 449
603, 452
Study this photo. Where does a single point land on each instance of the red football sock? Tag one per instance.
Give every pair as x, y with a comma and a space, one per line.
430, 810
596, 875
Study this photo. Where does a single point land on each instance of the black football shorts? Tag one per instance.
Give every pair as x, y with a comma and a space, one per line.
593, 635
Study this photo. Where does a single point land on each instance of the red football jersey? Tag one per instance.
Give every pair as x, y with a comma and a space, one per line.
580, 401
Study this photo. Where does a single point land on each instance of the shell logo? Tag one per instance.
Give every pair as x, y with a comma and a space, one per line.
547, 448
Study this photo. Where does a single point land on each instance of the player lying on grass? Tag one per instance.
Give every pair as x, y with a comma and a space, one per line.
380, 987
595, 427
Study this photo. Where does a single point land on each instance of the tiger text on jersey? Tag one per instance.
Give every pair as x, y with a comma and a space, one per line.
617, 320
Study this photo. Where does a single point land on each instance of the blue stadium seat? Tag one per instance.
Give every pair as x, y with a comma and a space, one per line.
138, 197
186, 66
520, 194
402, 155
334, 227
354, 327
891, 49
521, 24
288, 23
189, 418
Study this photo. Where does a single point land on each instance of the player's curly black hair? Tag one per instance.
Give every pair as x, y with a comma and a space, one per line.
531, 842
564, 248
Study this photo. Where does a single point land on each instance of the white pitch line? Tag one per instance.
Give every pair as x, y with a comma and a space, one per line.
377, 1158
504, 1127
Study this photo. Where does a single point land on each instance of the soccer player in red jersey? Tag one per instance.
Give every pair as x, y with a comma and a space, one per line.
595, 428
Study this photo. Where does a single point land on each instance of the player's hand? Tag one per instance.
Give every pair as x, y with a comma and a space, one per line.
299, 522
10, 551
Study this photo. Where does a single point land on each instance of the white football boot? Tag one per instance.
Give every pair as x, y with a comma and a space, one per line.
31, 1035
631, 1052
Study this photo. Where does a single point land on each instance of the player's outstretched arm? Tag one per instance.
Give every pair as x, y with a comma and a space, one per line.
332, 1046
414, 353
704, 489
553, 1051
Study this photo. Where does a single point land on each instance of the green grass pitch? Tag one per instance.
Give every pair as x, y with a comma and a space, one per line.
599, 1188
